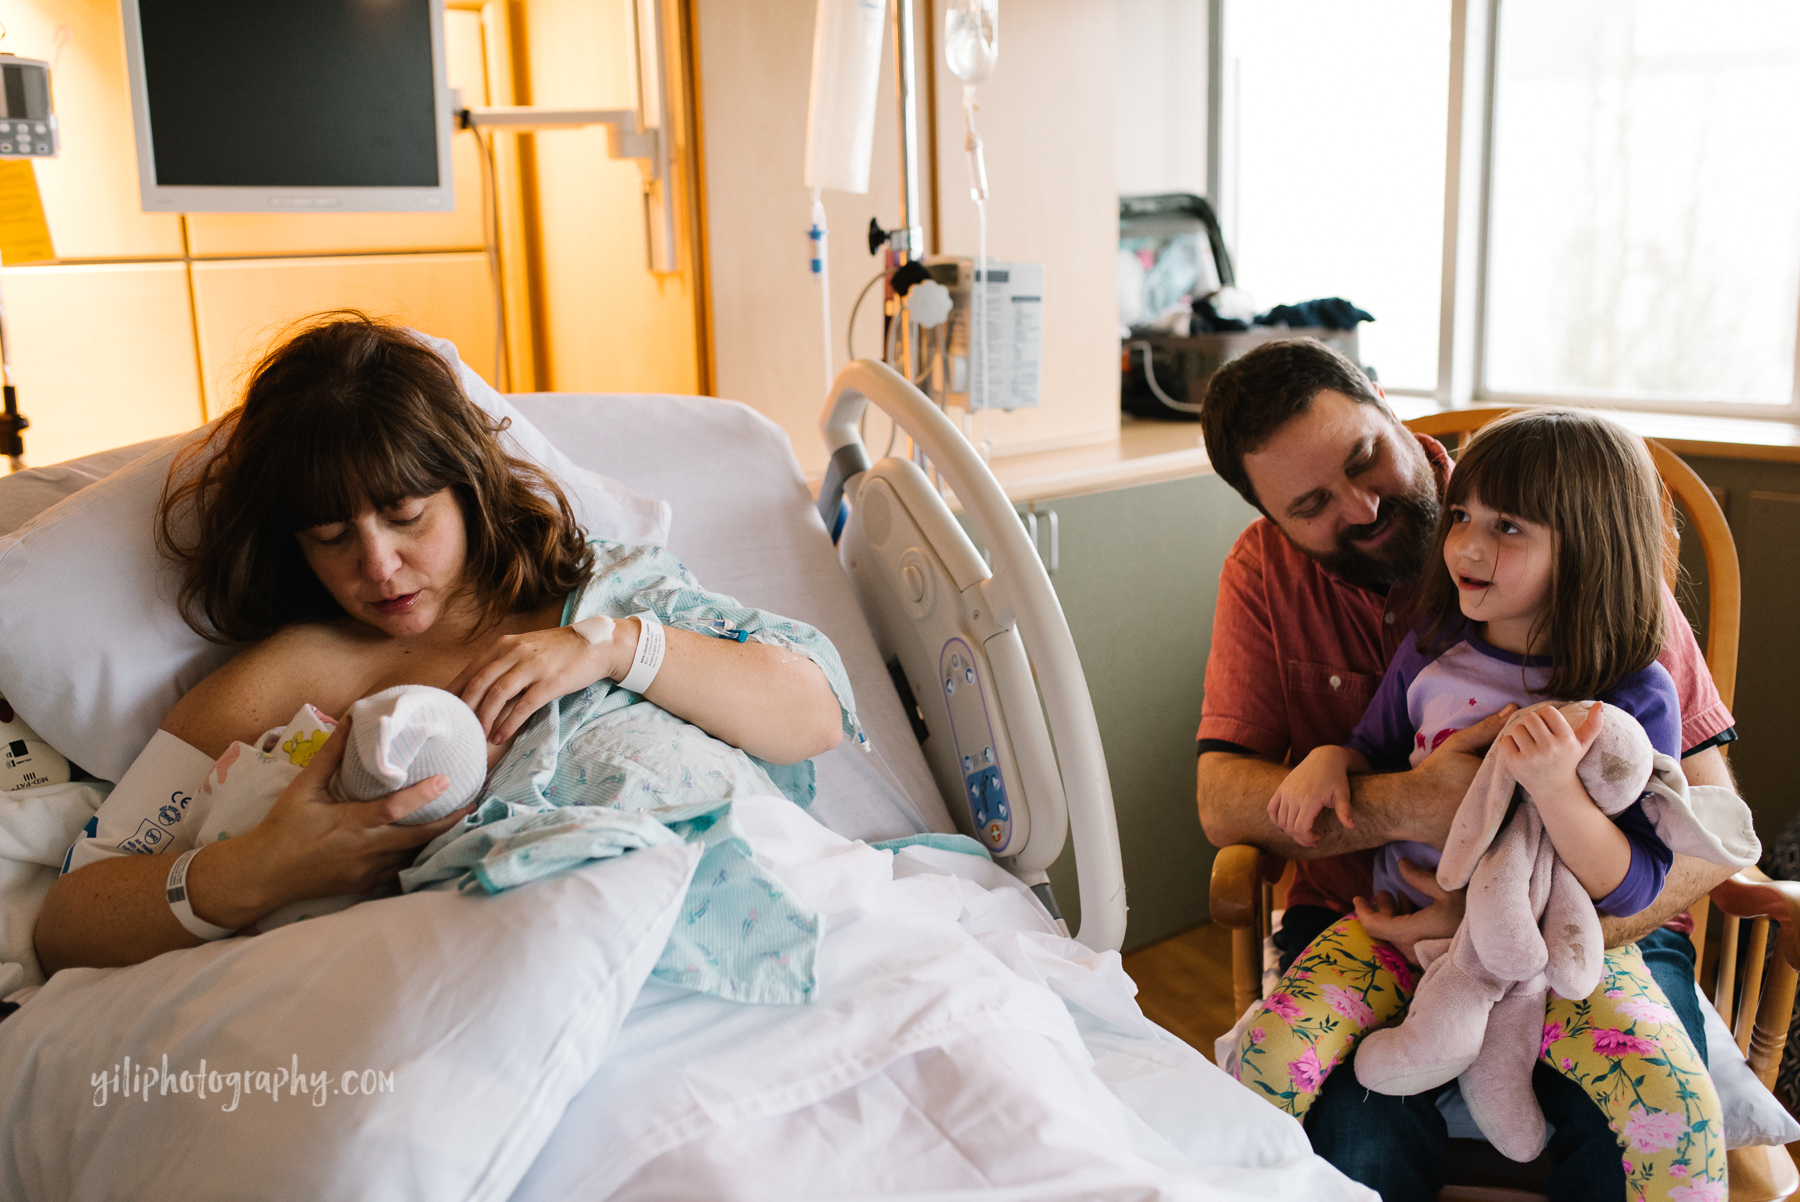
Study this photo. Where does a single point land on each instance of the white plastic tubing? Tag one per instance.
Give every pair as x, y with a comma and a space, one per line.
1022, 587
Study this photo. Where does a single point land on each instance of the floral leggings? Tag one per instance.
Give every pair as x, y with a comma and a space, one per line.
1624, 1045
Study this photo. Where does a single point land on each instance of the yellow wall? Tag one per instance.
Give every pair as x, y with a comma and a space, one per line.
1047, 117
606, 323
145, 321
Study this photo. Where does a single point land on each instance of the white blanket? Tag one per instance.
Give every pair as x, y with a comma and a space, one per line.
959, 1047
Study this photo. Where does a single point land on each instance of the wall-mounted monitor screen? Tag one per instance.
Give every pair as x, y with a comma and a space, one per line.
289, 105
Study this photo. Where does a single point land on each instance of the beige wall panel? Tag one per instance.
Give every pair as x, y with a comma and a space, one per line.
91, 189
755, 64
103, 356
608, 323
1047, 118
217, 234
242, 305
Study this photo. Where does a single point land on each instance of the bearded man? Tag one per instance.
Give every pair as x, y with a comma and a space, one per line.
1314, 599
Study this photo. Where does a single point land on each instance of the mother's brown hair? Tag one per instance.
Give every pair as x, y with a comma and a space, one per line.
350, 412
1593, 483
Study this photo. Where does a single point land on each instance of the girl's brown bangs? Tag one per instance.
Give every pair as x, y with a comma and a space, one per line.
1513, 475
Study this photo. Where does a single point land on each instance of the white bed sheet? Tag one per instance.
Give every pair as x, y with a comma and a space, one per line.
958, 1047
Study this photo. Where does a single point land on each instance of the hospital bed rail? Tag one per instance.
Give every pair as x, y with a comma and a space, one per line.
947, 621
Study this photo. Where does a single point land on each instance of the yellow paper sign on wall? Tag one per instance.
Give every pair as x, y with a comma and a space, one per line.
24, 234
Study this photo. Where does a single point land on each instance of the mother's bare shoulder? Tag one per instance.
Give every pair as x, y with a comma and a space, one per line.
261, 686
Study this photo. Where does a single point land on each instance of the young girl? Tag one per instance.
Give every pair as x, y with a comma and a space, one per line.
1552, 543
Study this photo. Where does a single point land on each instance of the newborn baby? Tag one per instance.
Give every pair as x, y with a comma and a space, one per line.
398, 737
402, 735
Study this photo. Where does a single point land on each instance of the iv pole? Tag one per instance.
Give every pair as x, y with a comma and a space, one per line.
907, 243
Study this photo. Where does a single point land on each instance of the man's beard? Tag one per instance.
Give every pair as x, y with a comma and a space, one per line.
1402, 556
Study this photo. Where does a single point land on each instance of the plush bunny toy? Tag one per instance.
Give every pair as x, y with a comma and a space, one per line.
1529, 926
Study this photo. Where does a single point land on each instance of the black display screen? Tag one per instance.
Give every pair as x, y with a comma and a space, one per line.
290, 93
26, 92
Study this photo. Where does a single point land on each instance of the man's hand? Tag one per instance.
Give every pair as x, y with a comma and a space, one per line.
1396, 921
1446, 775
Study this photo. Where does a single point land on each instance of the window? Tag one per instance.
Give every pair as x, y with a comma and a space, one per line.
1644, 229
1333, 149
1623, 180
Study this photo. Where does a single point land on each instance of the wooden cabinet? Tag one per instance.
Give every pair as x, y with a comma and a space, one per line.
240, 305
103, 355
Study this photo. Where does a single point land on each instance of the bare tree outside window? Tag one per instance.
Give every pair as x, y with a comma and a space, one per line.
1645, 200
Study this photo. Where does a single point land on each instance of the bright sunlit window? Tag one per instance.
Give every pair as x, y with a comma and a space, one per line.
1334, 165
1645, 201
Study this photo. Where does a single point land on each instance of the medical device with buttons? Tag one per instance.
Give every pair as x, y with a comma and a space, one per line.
981, 655
27, 121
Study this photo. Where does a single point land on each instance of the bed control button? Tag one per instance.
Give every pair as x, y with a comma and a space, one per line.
949, 684
913, 581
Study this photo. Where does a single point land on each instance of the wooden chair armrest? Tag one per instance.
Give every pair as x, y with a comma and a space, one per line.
1238, 874
1751, 894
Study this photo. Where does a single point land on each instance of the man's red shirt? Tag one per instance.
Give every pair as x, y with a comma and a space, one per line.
1298, 652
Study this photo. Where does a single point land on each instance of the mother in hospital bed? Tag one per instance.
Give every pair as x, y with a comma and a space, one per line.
359, 525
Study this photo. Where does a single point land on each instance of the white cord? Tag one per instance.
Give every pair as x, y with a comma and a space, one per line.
821, 265
850, 330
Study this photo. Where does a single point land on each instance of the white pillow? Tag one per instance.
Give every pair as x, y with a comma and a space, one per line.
92, 650
1752, 1115
473, 1018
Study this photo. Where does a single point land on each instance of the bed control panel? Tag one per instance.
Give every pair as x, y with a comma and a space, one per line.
959, 668
972, 732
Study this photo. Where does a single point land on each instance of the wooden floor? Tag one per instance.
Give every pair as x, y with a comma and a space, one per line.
1184, 984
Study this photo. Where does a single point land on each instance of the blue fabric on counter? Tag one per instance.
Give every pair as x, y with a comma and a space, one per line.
1331, 313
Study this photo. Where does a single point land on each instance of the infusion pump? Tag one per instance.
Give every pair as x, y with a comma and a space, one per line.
27, 122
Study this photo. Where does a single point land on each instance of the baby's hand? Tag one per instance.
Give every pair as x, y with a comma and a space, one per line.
1541, 750
1321, 779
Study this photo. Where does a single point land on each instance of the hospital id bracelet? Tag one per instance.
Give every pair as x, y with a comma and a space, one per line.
184, 911
648, 660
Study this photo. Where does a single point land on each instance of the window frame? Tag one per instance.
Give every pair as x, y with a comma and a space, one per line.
1468, 175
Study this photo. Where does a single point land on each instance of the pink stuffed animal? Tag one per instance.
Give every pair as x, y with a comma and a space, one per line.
1529, 927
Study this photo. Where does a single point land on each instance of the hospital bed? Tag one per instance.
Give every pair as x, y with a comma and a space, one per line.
1002, 1061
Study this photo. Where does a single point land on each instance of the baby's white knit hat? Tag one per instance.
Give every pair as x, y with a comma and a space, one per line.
402, 735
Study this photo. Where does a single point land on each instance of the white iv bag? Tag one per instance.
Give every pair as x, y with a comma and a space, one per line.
972, 38
840, 113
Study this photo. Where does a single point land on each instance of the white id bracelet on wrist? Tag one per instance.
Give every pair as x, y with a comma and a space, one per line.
648, 660
184, 911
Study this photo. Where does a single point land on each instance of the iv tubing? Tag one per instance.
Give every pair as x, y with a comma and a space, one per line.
978, 191
821, 267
